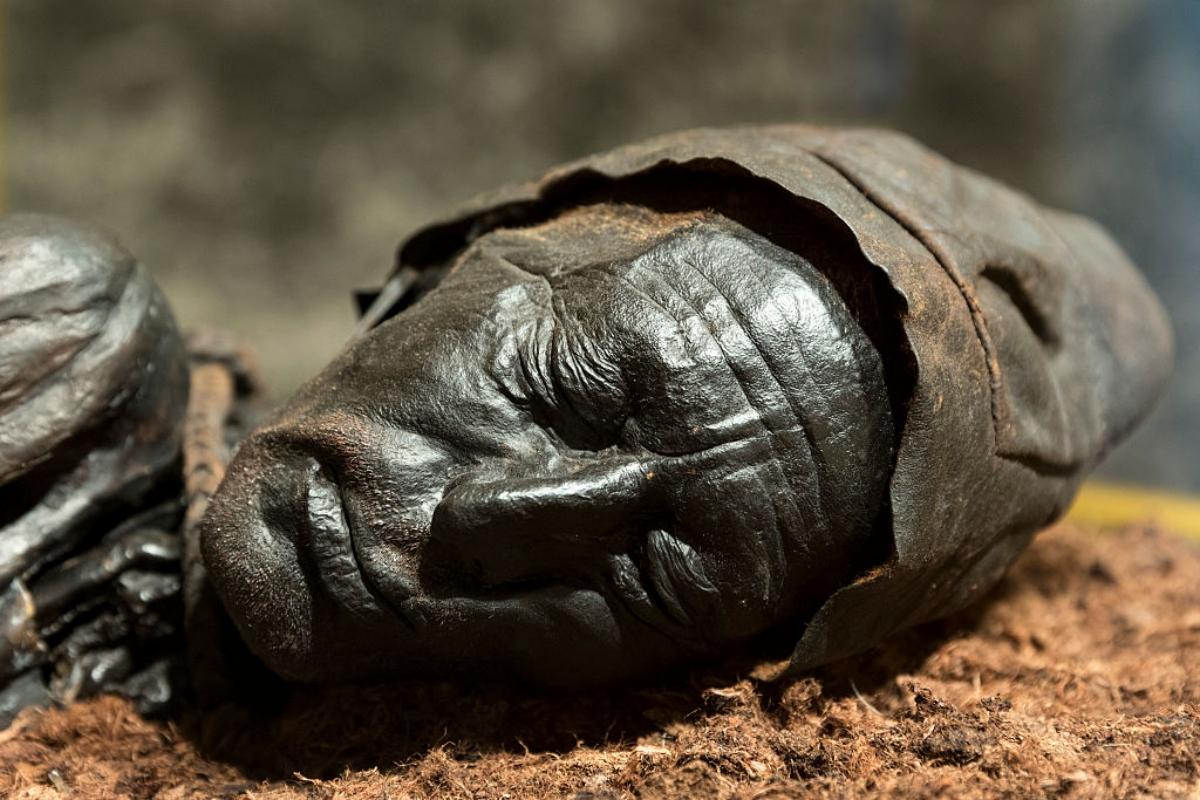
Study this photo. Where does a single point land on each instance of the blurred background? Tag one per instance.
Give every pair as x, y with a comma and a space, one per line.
265, 157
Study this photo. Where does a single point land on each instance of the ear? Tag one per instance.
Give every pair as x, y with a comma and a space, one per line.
526, 528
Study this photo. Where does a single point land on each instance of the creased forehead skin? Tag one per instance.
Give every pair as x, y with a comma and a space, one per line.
714, 344
646, 435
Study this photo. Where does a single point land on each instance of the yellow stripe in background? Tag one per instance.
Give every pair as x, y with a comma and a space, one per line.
1112, 504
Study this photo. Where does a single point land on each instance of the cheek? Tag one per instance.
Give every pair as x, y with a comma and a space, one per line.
397, 508
393, 485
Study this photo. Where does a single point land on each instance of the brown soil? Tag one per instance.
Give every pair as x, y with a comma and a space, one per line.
1080, 677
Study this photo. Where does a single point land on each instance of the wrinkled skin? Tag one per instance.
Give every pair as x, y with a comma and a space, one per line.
723, 385
543, 462
785, 384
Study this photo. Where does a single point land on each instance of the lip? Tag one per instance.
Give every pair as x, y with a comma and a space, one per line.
332, 542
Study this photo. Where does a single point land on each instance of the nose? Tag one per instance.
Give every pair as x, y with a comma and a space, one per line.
255, 567
310, 591
340, 441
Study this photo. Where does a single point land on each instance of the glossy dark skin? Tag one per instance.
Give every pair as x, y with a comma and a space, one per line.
595, 450
787, 382
93, 384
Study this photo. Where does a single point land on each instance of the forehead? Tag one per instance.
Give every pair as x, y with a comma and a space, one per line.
667, 312
590, 236
623, 275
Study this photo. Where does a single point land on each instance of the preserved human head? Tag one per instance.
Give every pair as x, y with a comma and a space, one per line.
794, 382
608, 442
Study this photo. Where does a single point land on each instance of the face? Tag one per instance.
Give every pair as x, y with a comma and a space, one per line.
603, 445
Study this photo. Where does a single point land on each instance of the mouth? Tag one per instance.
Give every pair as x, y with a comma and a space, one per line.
333, 543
